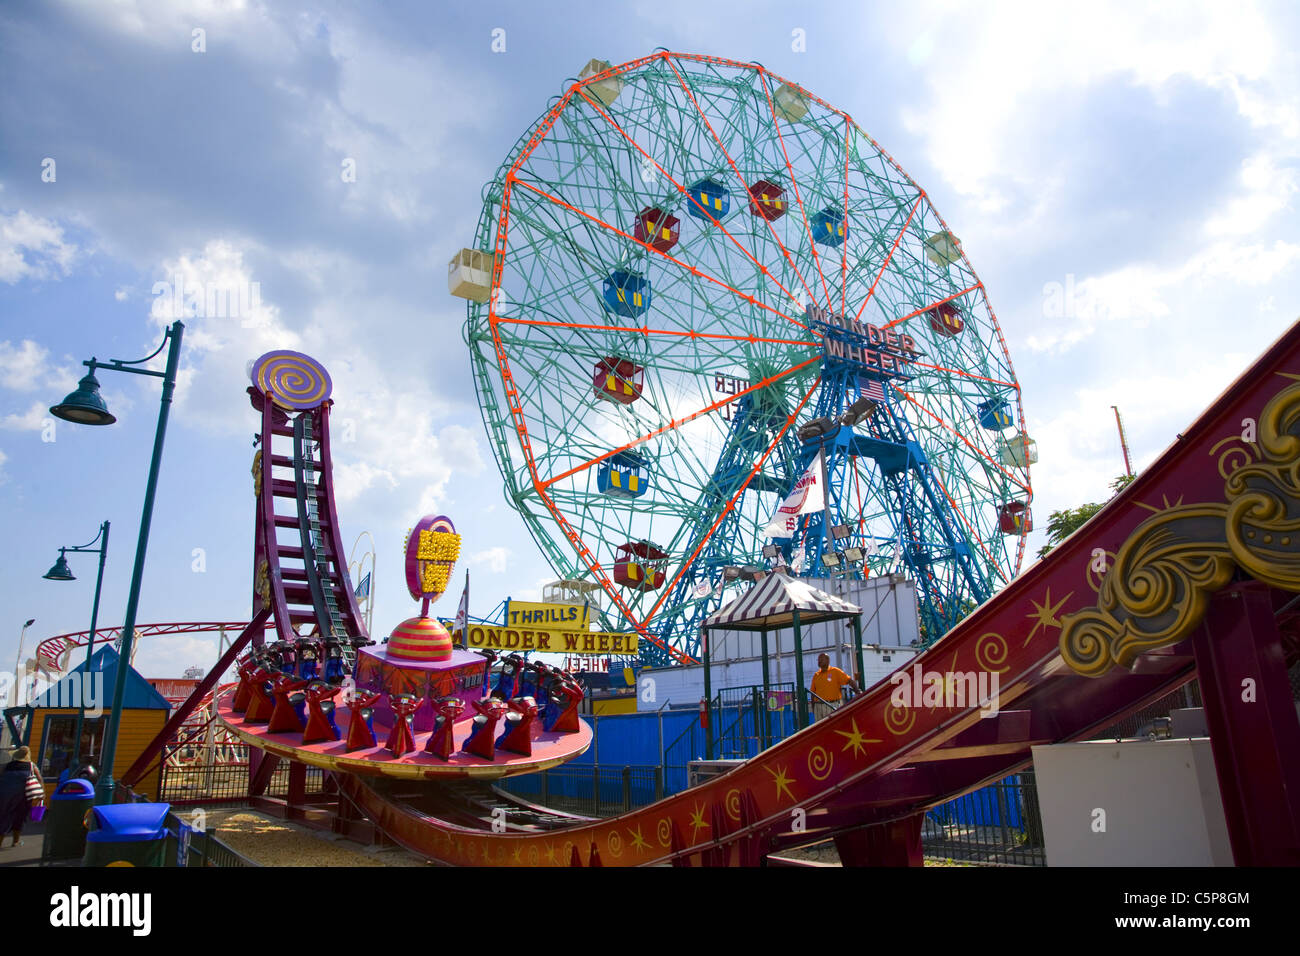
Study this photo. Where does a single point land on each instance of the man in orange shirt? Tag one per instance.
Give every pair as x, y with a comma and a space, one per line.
827, 686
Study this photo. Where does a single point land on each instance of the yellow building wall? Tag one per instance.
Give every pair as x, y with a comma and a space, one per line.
614, 705
137, 729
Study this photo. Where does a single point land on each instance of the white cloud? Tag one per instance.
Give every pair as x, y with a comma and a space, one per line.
988, 63
31, 420
32, 248
1139, 294
22, 367
495, 558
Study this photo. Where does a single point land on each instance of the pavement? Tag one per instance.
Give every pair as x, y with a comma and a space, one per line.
29, 854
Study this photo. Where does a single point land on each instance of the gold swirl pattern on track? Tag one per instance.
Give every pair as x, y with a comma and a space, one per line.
614, 843
899, 720
732, 804
990, 651
820, 762
664, 831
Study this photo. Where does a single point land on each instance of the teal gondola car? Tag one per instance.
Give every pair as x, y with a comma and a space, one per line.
623, 476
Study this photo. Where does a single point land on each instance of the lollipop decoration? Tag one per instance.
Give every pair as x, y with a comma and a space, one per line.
432, 548
292, 380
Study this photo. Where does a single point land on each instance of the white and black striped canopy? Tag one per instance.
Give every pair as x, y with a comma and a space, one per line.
770, 605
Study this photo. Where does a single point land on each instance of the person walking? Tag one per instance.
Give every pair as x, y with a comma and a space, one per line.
827, 687
21, 787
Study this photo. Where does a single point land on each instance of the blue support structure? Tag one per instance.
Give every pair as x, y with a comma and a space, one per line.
759, 417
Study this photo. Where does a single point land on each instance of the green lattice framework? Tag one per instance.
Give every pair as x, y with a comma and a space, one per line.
728, 303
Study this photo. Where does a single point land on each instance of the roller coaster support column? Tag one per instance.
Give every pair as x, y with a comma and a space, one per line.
1254, 733
896, 843
767, 697
707, 703
857, 650
801, 695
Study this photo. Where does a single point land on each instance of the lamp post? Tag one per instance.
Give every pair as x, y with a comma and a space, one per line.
19, 661
61, 572
86, 407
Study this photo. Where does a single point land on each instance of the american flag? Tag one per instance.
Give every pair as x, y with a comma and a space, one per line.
873, 389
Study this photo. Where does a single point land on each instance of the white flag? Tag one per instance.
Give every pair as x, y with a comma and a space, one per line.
807, 496
459, 625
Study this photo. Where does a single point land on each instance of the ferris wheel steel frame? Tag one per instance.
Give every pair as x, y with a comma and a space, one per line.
773, 398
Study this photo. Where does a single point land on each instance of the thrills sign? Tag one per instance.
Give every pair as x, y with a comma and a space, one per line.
551, 616
552, 638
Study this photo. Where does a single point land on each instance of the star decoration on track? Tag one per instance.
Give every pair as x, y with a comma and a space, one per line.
1165, 498
517, 856
1045, 614
550, 853
697, 821
855, 740
638, 841
782, 782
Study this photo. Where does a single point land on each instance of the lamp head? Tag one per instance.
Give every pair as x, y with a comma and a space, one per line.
85, 406
60, 571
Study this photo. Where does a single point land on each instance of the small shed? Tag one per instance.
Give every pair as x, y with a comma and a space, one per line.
776, 602
57, 719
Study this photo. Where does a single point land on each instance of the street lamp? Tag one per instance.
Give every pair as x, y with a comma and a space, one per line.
18, 663
61, 572
85, 406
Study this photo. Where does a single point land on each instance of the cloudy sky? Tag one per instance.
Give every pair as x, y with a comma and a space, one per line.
1124, 182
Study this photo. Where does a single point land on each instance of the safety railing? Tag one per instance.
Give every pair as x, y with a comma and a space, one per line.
592, 791
997, 824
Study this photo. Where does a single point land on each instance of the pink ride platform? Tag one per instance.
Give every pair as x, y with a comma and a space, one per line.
549, 749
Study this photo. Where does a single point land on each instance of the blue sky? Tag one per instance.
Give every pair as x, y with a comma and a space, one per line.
1146, 160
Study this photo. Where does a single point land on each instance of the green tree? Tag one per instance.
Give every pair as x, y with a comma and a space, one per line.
1062, 524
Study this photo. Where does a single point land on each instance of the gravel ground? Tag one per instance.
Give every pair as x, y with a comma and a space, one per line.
273, 842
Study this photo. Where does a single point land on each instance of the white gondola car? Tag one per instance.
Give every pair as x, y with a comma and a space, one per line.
1020, 452
469, 275
605, 90
943, 248
790, 103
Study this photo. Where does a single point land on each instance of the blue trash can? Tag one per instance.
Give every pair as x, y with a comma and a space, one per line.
128, 834
65, 827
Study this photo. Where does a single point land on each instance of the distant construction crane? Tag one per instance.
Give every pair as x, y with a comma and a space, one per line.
1123, 442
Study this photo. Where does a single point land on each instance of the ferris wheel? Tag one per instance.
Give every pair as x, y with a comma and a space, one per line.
693, 287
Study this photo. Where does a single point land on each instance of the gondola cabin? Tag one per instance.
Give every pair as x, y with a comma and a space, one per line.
708, 200
656, 228
605, 90
767, 200
469, 275
618, 380
1020, 452
623, 476
1014, 517
946, 320
627, 294
790, 104
829, 227
943, 249
995, 414
639, 565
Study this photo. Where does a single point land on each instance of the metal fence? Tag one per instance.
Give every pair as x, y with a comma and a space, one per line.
203, 848
224, 779
592, 791
1000, 823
